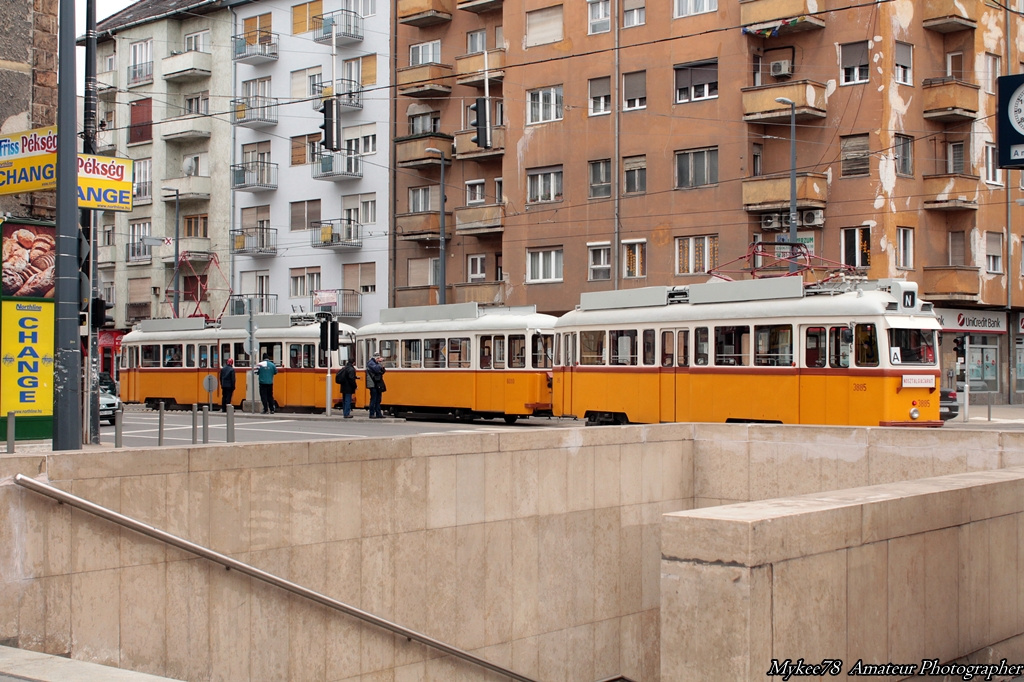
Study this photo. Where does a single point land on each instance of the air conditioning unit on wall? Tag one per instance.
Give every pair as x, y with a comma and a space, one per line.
782, 68
771, 221
812, 217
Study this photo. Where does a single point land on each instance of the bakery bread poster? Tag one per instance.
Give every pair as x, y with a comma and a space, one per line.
29, 257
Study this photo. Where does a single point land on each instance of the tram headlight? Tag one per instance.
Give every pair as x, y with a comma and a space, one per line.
914, 413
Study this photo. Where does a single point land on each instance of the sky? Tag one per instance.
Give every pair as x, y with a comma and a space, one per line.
104, 8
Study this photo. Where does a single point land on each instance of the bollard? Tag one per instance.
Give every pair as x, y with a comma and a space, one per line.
231, 424
160, 426
195, 423
119, 427
10, 433
990, 411
206, 424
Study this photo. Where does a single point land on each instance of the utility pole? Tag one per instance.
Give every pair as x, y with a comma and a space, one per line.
88, 228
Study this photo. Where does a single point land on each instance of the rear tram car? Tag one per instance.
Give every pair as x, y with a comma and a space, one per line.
167, 360
461, 360
766, 350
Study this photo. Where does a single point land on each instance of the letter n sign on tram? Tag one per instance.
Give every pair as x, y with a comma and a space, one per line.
1010, 121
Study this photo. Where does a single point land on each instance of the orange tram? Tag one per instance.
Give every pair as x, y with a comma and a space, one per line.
763, 350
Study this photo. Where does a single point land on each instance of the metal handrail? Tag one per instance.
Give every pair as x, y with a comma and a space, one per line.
253, 572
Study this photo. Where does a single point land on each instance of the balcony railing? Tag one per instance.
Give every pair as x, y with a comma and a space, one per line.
134, 312
947, 16
411, 151
254, 176
345, 25
340, 302
349, 94
479, 6
261, 303
338, 233
950, 192
480, 219
469, 68
337, 166
771, 18
421, 13
254, 112
137, 252
467, 149
106, 85
484, 293
949, 100
191, 65
255, 47
771, 192
425, 80
254, 241
760, 105
142, 193
140, 74
951, 283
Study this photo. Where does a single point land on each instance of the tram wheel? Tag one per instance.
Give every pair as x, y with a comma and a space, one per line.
510, 418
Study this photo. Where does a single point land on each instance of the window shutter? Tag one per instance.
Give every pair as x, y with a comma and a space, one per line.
367, 273
298, 150
684, 77
298, 84
601, 87
544, 26
298, 215
634, 85
632, 4
313, 212
435, 197
956, 157
705, 73
854, 54
956, 248
419, 269
634, 163
369, 70
993, 244
855, 158
350, 275
903, 54
139, 290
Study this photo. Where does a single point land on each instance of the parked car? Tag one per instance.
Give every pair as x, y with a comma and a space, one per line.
949, 408
109, 405
107, 383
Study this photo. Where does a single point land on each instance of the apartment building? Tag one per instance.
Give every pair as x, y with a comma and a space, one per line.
645, 142
311, 225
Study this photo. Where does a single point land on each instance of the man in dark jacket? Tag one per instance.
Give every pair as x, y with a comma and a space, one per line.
346, 378
227, 383
375, 382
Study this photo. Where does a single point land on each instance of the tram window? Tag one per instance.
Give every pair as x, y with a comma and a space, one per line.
214, 356
683, 344
700, 342
541, 351
648, 346
732, 345
294, 355
241, 357
389, 352
839, 341
499, 352
912, 346
412, 353
273, 350
132, 357
668, 349
569, 341
773, 345
150, 356
623, 346
485, 352
172, 355
867, 346
309, 355
516, 351
459, 353
362, 352
190, 355
814, 347
204, 355
433, 353
592, 347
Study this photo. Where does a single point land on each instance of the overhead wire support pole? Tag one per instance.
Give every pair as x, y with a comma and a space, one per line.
92, 403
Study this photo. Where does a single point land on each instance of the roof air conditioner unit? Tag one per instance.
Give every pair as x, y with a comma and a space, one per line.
782, 68
770, 221
786, 222
814, 217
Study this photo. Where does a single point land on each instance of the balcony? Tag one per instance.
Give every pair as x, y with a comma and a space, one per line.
254, 241
771, 192
350, 96
189, 128
480, 219
339, 302
106, 85
142, 193
238, 304
771, 18
106, 255
479, 6
255, 47
417, 295
950, 192
421, 227
194, 250
411, 151
106, 142
137, 253
484, 293
421, 13
337, 166
949, 100
140, 74
345, 25
183, 67
254, 176
254, 112
425, 80
190, 188
469, 68
136, 312
336, 234
467, 149
948, 16
759, 105
951, 283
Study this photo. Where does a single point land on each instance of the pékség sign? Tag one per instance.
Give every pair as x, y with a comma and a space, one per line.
28, 163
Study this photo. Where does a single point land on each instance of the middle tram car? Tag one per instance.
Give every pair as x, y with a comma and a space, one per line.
461, 360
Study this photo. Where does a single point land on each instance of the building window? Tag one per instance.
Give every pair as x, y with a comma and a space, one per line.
905, 255
109, 234
544, 265
425, 123
989, 78
198, 41
140, 62
696, 82
956, 248
368, 8
854, 61
955, 65
142, 179
304, 213
475, 192
425, 53
306, 83
854, 155
141, 121
256, 216
544, 104
198, 103
304, 281
600, 178
634, 259
696, 167
476, 267
903, 153
635, 171
419, 199
196, 225
857, 246
138, 249
695, 255
685, 8
305, 148
634, 90
600, 96
600, 19
904, 63
633, 13
544, 184
955, 157
757, 160
600, 260
993, 173
993, 251
544, 26
476, 41
499, 195
424, 272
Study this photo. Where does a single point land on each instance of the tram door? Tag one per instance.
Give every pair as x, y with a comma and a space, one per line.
668, 378
562, 381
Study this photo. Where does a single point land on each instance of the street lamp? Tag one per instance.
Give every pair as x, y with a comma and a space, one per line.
792, 178
177, 215
441, 270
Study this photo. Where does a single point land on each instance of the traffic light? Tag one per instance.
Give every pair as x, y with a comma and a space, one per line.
99, 316
482, 138
331, 125
325, 334
334, 335
84, 271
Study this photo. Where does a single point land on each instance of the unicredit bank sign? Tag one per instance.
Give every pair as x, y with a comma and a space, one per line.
974, 321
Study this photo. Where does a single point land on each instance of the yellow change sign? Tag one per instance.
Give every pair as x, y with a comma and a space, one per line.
26, 364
